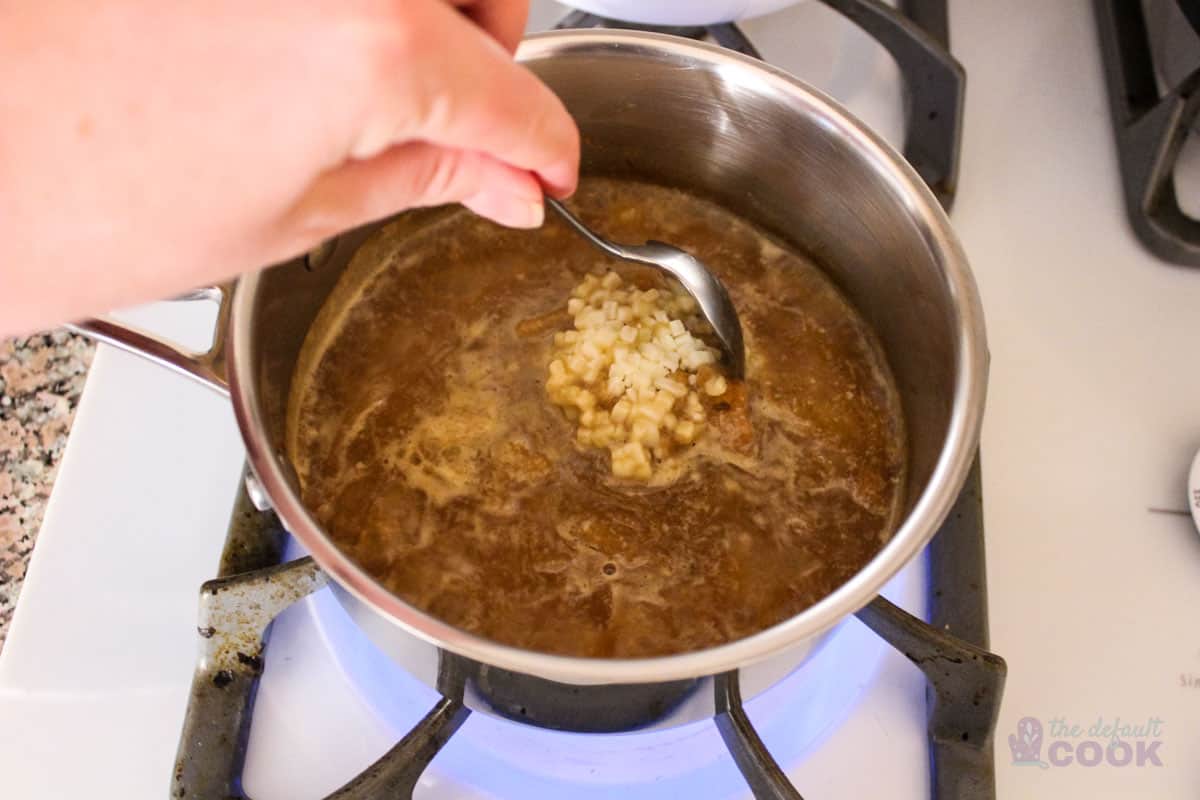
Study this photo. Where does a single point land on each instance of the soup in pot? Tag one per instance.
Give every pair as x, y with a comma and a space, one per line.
535, 443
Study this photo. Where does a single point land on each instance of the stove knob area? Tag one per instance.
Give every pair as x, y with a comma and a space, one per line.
258, 496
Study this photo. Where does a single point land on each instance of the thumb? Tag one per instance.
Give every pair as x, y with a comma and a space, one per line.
414, 175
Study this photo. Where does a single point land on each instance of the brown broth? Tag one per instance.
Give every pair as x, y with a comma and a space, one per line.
425, 443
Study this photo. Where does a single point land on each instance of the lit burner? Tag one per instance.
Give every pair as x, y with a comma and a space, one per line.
800, 707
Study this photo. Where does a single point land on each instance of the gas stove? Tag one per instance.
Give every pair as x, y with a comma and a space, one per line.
264, 576
1091, 423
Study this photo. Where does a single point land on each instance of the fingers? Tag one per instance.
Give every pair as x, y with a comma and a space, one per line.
503, 19
409, 176
452, 85
515, 200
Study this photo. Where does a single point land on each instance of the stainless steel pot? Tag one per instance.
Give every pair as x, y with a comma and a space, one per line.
757, 141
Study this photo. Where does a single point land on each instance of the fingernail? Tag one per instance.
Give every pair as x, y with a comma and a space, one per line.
520, 214
514, 212
535, 214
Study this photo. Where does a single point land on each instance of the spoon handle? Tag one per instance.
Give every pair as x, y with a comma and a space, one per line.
600, 242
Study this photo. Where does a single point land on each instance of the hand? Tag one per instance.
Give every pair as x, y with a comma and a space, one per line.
149, 147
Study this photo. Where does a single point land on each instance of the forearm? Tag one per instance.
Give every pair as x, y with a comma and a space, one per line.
110, 157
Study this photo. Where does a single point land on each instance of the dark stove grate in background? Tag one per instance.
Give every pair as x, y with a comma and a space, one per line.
917, 37
1151, 127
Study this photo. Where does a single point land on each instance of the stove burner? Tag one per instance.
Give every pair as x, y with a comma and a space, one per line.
1150, 127
965, 681
613, 708
916, 36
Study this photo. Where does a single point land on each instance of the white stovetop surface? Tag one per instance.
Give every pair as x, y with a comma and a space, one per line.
1092, 418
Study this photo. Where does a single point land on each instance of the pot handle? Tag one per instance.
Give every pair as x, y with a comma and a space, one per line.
209, 367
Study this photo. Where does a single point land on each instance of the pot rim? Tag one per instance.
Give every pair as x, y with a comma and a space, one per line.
914, 533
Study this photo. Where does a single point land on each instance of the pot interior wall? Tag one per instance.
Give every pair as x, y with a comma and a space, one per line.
751, 145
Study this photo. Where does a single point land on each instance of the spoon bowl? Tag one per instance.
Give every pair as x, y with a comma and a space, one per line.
696, 278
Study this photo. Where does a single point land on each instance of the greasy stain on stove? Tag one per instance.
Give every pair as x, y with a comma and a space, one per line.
964, 681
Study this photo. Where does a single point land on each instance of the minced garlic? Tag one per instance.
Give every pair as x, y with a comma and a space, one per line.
627, 371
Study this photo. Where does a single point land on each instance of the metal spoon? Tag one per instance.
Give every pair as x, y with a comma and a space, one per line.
687, 269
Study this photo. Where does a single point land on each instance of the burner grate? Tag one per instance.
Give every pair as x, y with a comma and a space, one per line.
1151, 128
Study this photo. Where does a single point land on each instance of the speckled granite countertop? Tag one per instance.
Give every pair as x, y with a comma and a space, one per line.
40, 381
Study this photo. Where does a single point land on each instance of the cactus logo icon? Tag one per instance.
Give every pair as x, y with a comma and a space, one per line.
1026, 744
